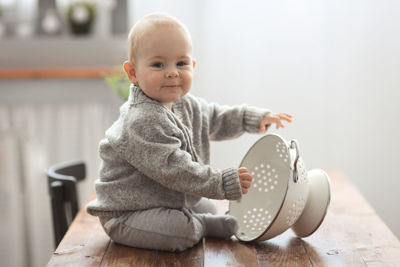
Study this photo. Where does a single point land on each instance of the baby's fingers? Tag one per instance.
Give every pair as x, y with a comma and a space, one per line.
245, 177
282, 116
245, 186
242, 170
285, 116
279, 124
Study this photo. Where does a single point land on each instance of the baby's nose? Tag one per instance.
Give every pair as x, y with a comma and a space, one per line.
172, 73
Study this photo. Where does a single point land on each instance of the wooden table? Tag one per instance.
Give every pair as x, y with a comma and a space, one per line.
351, 235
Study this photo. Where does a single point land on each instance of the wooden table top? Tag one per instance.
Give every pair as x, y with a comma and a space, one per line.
351, 235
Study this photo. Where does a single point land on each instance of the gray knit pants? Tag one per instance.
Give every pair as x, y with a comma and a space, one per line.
159, 228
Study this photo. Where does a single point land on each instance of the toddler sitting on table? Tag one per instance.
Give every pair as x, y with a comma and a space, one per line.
155, 177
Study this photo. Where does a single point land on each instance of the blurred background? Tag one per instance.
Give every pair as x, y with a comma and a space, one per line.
334, 65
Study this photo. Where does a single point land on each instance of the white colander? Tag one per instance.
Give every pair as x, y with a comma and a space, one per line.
282, 194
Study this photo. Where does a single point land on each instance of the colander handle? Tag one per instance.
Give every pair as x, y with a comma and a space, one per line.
294, 145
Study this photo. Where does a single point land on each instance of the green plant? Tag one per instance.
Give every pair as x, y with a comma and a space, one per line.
119, 82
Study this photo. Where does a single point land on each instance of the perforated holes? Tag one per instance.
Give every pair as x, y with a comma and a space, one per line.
281, 148
265, 178
260, 219
302, 170
295, 211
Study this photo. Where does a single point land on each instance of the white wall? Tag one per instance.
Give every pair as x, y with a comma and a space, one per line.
333, 64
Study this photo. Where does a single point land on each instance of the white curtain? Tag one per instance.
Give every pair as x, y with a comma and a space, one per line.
33, 137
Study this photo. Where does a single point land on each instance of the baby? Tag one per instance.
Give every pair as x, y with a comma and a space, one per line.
155, 177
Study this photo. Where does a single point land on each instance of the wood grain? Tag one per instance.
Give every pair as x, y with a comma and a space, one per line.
192, 257
120, 255
283, 250
219, 252
84, 244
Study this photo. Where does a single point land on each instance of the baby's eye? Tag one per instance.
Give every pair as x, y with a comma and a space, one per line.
157, 65
181, 63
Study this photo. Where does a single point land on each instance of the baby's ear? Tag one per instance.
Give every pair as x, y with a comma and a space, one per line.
130, 71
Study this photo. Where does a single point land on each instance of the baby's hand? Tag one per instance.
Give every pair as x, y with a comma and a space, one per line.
245, 179
274, 118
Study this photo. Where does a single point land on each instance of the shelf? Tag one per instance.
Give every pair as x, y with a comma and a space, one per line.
62, 52
53, 73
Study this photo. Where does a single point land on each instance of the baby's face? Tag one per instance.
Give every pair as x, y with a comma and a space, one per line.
163, 64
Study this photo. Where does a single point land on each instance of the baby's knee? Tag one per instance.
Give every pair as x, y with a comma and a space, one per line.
205, 205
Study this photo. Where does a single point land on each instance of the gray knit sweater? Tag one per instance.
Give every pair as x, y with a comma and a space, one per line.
154, 157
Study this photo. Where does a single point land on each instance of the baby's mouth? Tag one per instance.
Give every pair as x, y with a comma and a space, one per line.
173, 85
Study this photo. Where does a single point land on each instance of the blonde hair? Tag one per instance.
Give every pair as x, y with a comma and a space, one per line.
149, 22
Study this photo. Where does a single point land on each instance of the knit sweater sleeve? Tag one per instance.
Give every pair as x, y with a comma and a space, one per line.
156, 147
227, 122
